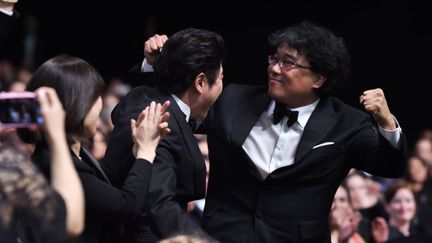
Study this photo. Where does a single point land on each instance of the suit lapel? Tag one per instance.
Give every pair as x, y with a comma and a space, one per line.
191, 145
185, 129
322, 120
247, 117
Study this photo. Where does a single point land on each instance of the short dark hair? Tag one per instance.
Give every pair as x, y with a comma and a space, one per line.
78, 85
186, 54
326, 53
395, 187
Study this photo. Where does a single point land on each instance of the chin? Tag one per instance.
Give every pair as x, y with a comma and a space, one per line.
274, 94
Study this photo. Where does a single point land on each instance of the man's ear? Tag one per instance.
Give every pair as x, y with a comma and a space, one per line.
319, 81
199, 82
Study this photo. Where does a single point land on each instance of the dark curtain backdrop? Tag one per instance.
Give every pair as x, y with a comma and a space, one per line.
389, 40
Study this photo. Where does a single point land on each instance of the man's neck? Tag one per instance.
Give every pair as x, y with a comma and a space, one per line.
189, 98
292, 104
184, 105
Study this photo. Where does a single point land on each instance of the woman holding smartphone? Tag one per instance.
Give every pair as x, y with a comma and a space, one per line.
31, 209
79, 87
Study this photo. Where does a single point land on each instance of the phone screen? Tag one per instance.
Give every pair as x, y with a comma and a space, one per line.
19, 110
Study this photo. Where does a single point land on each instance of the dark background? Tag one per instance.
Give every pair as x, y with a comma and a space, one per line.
389, 40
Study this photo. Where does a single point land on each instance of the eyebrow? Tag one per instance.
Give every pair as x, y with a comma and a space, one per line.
286, 55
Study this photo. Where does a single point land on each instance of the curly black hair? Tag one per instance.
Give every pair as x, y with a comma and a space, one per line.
326, 53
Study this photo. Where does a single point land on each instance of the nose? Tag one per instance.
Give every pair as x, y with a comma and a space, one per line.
275, 68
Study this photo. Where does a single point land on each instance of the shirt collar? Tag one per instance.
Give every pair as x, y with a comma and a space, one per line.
304, 111
183, 107
7, 12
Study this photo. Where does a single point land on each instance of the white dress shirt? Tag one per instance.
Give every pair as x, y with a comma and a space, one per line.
272, 146
183, 107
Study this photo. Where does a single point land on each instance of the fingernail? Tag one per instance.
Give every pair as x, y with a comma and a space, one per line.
41, 92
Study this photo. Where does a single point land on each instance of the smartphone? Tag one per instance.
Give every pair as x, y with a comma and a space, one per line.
19, 109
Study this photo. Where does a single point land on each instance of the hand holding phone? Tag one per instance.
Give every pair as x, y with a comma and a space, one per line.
53, 114
19, 109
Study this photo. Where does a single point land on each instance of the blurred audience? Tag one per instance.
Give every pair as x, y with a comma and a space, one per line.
365, 197
364, 192
419, 178
196, 208
401, 226
423, 149
401, 207
344, 220
99, 145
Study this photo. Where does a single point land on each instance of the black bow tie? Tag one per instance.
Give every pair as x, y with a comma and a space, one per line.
280, 111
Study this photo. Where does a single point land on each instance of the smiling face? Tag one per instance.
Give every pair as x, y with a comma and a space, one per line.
341, 199
296, 85
417, 169
402, 207
357, 189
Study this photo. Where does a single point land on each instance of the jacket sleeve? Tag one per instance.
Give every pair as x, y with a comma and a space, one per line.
123, 203
372, 153
167, 214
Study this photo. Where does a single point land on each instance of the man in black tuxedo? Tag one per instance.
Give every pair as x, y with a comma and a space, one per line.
278, 153
189, 73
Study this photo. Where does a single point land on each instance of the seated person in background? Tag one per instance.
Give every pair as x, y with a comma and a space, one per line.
419, 177
365, 197
344, 221
401, 207
196, 208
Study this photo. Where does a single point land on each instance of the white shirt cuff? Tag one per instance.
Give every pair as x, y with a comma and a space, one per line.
392, 136
145, 67
10, 13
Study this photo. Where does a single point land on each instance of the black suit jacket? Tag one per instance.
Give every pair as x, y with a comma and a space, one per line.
106, 206
293, 202
178, 170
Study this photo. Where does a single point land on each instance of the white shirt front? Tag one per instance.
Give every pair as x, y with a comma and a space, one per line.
272, 146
